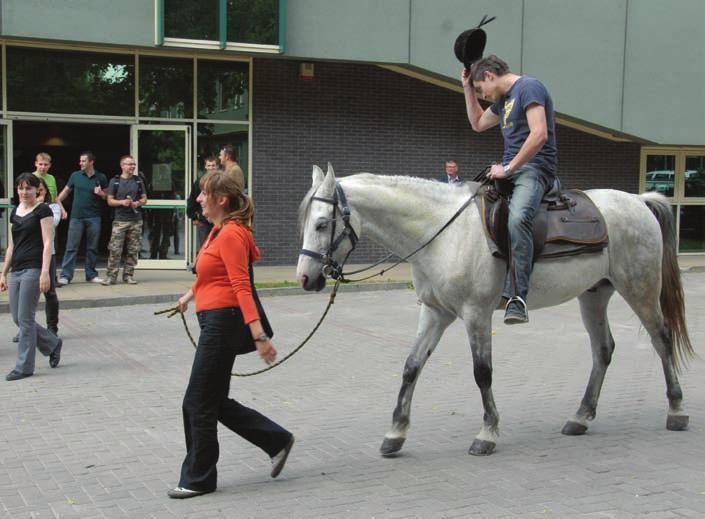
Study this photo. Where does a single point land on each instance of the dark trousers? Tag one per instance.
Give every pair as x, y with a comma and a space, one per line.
206, 402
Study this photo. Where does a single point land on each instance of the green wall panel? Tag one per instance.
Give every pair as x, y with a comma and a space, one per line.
122, 22
664, 90
364, 30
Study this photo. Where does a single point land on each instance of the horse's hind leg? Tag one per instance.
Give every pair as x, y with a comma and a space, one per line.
648, 309
593, 308
432, 324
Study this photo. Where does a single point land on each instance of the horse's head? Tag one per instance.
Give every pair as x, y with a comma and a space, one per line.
327, 231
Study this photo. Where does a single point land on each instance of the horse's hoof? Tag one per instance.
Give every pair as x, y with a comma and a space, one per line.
390, 446
574, 429
677, 422
481, 448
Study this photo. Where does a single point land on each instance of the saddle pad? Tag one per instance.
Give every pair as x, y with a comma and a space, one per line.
572, 225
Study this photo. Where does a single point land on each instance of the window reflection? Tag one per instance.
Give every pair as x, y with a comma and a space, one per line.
660, 174
163, 235
692, 228
42, 80
253, 21
191, 20
223, 90
166, 87
694, 175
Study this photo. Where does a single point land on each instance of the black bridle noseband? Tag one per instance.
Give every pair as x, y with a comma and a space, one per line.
339, 203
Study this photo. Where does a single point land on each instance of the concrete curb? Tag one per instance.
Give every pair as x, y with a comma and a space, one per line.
72, 304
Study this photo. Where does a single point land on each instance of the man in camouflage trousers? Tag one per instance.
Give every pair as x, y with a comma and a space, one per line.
127, 194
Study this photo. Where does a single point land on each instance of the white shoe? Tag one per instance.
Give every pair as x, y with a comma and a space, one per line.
96, 279
63, 282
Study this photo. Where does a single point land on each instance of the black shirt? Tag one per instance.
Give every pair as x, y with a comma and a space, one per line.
28, 245
120, 188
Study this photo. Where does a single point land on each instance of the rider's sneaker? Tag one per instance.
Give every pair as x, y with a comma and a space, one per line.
516, 312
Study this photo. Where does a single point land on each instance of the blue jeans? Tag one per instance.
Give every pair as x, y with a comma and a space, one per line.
77, 227
530, 186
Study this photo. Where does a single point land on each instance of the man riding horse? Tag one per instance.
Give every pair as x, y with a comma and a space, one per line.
523, 108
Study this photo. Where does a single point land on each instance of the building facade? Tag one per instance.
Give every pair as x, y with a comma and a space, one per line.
367, 86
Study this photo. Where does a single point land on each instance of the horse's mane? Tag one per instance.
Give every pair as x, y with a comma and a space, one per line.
431, 188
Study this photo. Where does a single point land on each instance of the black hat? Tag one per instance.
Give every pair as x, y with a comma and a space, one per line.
471, 43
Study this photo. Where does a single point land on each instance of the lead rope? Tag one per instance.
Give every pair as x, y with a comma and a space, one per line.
175, 310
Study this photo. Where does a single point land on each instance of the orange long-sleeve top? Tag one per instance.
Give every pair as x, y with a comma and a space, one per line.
223, 278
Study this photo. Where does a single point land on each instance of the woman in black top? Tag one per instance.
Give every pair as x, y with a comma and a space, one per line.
28, 258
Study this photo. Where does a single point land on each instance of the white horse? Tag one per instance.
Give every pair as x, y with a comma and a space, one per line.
456, 276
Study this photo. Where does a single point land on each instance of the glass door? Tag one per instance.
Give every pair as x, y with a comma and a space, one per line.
163, 156
6, 184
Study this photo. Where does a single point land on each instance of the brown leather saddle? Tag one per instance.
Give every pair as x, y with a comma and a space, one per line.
568, 223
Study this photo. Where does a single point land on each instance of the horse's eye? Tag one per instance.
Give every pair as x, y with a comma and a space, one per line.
321, 226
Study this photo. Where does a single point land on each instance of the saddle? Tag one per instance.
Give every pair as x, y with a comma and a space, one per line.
567, 224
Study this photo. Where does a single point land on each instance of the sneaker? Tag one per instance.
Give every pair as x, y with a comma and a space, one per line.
516, 312
107, 282
62, 282
279, 459
130, 280
97, 279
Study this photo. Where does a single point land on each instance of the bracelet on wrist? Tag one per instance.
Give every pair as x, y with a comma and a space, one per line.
261, 338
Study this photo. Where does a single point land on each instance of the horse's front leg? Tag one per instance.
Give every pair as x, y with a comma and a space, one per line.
432, 324
479, 329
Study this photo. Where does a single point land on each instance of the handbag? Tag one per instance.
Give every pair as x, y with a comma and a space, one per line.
248, 343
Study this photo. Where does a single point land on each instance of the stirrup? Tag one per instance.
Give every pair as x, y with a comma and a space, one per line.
514, 318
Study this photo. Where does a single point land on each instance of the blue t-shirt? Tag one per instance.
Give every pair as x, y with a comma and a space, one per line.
511, 109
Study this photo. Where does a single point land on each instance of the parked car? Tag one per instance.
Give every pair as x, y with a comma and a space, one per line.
660, 181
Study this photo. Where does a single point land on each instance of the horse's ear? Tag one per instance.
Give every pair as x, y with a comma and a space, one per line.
317, 176
329, 181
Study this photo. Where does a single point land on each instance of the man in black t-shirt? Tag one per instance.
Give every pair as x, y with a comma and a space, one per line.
127, 194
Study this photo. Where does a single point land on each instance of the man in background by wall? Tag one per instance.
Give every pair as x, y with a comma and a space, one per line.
193, 208
228, 159
452, 172
88, 187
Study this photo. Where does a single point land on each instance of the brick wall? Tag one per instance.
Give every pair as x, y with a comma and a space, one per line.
364, 118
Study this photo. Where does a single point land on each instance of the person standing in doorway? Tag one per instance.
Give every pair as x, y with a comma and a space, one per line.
127, 194
88, 187
228, 160
193, 208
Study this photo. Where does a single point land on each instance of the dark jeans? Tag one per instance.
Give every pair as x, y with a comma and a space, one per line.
77, 227
206, 402
530, 186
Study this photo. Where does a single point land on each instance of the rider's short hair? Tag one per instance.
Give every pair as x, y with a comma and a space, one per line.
489, 64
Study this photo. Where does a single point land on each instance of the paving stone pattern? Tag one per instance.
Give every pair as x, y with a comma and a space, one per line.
102, 437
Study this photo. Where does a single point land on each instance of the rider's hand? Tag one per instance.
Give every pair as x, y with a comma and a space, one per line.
465, 78
497, 172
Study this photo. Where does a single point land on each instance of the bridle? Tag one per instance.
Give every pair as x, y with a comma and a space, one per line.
339, 202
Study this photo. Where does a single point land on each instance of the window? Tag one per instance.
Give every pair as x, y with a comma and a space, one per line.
221, 23
65, 82
679, 173
223, 90
166, 87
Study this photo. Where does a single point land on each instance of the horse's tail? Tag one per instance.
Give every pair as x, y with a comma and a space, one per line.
671, 298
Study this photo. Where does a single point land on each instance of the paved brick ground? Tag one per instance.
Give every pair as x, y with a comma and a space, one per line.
101, 436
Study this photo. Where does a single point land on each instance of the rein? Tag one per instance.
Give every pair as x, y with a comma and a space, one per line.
175, 310
331, 268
